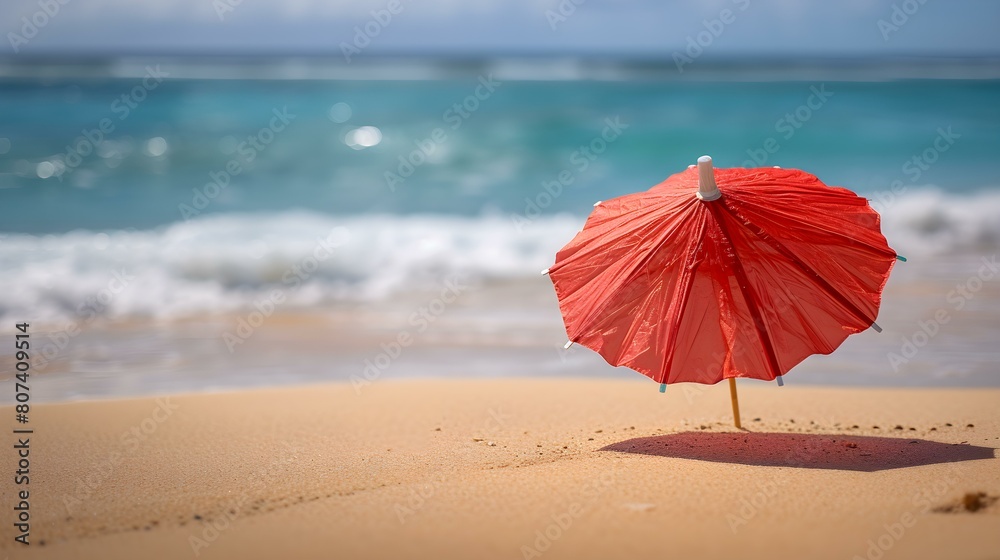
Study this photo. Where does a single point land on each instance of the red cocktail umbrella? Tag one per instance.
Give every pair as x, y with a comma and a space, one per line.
725, 273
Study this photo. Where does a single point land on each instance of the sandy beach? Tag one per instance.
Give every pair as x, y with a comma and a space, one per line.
516, 468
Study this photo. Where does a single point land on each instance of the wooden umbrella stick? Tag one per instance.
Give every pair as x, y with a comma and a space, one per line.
736, 403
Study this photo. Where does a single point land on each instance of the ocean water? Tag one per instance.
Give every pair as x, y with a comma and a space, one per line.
522, 134
137, 204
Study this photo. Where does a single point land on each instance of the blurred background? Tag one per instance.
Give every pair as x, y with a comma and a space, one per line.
207, 194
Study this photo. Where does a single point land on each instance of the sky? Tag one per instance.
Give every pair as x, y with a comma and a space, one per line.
637, 27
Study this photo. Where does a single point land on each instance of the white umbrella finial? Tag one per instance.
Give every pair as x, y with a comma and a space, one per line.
707, 189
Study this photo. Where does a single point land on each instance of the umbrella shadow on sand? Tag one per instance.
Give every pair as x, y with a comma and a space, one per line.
807, 451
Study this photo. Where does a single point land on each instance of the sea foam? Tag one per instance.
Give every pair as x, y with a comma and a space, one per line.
221, 263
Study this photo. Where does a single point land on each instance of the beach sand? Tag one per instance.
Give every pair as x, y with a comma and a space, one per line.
514, 468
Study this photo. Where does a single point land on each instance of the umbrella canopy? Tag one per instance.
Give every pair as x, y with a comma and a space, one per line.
722, 273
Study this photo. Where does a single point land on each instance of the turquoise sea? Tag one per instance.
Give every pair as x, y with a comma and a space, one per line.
205, 183
498, 148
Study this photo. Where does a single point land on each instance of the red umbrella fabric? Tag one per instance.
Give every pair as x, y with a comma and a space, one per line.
745, 275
